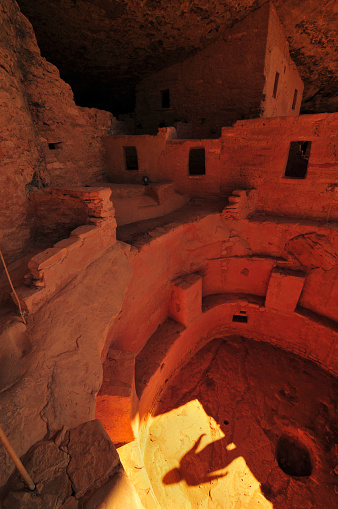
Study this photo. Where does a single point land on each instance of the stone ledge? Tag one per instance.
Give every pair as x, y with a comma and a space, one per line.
53, 268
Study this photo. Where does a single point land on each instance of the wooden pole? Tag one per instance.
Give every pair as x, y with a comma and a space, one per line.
11, 284
23, 472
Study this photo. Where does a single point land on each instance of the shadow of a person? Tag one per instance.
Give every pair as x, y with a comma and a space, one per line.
198, 467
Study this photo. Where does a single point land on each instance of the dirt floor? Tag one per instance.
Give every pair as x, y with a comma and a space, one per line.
232, 420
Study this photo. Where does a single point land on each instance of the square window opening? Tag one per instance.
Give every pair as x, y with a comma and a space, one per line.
165, 98
275, 86
130, 155
197, 161
296, 166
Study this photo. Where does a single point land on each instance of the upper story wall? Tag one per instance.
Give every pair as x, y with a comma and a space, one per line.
231, 79
253, 154
283, 89
214, 87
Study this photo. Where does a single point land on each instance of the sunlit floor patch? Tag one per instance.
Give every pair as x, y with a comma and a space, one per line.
242, 426
184, 457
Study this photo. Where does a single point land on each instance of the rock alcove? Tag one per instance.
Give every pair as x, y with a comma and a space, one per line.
113, 388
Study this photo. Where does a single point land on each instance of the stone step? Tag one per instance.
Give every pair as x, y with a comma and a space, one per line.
117, 397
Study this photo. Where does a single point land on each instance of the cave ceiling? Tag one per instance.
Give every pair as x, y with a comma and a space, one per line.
102, 48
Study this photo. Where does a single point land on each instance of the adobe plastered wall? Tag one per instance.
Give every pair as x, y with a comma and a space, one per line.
213, 88
251, 155
278, 59
149, 149
37, 109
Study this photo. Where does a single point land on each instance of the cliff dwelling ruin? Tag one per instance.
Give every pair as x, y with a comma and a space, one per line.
169, 254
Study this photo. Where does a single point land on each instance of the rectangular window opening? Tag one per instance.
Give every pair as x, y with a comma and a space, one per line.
294, 102
130, 154
275, 86
240, 318
165, 97
55, 146
299, 153
197, 161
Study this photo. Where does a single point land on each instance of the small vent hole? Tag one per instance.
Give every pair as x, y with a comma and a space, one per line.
55, 146
240, 318
275, 86
294, 102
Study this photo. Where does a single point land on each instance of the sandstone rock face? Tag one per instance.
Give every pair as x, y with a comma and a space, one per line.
90, 449
103, 48
21, 155
64, 373
46, 464
67, 475
15, 347
313, 251
45, 138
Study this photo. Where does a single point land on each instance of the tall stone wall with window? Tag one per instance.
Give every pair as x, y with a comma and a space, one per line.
230, 80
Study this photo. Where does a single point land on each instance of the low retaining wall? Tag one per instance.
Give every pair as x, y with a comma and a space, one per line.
53, 268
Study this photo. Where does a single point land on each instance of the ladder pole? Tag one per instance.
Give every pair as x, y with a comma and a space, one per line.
23, 472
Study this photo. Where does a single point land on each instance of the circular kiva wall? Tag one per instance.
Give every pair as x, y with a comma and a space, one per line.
173, 344
284, 425
130, 399
252, 297
243, 424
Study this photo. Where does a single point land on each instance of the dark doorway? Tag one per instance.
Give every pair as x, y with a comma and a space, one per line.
197, 161
165, 96
130, 154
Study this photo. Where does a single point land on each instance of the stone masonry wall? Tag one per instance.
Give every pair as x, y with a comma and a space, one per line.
213, 88
250, 155
232, 79
278, 59
45, 139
